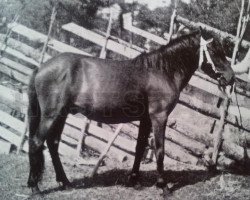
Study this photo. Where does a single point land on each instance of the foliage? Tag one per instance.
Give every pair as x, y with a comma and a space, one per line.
83, 12
36, 14
159, 19
219, 14
222, 15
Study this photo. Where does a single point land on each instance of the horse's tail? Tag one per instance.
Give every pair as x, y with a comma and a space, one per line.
36, 157
34, 112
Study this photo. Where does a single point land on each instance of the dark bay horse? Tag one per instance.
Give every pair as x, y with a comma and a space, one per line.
145, 88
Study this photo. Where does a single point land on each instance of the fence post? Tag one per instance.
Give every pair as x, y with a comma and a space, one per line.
111, 141
103, 53
53, 17
224, 108
239, 28
82, 136
172, 22
23, 134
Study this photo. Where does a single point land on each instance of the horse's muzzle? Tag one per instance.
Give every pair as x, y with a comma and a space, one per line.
226, 85
226, 78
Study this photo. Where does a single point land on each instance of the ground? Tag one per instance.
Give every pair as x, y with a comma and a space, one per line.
111, 179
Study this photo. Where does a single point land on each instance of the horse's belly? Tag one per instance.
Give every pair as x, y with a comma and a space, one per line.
111, 114
116, 106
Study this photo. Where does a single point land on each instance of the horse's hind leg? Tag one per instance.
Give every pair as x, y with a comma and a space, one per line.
142, 141
53, 144
36, 159
36, 146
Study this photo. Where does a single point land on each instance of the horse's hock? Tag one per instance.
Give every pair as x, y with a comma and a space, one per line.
189, 134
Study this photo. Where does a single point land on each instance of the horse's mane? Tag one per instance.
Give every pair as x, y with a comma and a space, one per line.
170, 57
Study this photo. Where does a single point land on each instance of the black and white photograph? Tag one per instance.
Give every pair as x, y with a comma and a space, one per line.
125, 99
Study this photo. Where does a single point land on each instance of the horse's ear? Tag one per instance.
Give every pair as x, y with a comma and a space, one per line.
210, 40
200, 29
205, 34
202, 32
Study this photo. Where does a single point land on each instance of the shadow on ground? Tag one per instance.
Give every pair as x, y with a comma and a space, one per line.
177, 179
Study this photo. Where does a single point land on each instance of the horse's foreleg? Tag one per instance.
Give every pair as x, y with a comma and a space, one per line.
144, 131
53, 144
159, 127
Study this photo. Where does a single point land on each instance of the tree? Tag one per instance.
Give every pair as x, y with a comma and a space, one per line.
219, 14
36, 13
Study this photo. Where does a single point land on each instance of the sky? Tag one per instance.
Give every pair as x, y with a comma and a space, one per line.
152, 4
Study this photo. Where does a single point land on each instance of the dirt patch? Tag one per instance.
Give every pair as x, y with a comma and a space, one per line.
187, 183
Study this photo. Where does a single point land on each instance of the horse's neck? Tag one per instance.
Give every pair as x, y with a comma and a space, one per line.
188, 63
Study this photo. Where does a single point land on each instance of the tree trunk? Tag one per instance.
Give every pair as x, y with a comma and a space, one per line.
222, 34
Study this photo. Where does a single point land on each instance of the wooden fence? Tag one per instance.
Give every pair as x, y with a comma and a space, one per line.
189, 135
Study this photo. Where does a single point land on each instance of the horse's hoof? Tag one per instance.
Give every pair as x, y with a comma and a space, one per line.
132, 180
138, 186
166, 192
212, 168
35, 190
65, 185
160, 183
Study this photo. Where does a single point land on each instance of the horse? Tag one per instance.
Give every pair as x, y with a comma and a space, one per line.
145, 88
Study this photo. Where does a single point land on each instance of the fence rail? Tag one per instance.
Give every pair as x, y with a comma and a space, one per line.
184, 142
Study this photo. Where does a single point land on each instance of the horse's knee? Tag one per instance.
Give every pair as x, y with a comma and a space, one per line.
36, 142
35, 145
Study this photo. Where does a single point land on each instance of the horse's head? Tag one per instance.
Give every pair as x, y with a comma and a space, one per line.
213, 61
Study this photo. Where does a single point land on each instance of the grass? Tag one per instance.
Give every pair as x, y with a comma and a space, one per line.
186, 183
